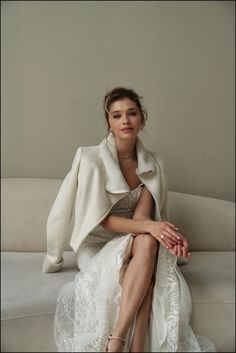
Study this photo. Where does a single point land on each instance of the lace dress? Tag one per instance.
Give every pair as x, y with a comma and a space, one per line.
88, 307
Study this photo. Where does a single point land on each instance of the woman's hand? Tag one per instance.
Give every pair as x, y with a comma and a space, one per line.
181, 250
167, 234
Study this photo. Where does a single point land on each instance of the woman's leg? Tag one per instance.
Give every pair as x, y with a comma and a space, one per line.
136, 281
142, 320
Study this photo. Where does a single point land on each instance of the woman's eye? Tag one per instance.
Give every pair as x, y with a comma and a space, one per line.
118, 116
133, 113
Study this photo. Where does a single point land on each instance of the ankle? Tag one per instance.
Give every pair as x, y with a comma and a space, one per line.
119, 333
115, 343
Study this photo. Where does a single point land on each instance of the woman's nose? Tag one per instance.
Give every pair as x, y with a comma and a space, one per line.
125, 119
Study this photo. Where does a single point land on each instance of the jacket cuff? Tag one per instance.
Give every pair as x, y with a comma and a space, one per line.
49, 267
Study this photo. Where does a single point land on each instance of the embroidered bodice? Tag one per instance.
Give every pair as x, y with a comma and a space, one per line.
126, 206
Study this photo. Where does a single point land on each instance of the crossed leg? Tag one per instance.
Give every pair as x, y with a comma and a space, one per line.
142, 320
136, 293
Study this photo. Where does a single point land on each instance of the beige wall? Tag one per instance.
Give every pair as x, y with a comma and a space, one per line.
60, 57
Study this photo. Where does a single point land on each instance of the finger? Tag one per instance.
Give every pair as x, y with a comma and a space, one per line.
179, 250
175, 250
165, 241
172, 234
172, 226
172, 251
184, 252
169, 238
183, 240
185, 244
171, 231
169, 243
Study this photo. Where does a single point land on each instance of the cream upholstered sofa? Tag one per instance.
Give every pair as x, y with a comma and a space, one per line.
29, 295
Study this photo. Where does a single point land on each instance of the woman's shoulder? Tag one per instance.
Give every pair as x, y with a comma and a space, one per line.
92, 151
87, 154
87, 150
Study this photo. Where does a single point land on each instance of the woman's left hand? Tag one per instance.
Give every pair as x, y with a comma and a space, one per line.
181, 250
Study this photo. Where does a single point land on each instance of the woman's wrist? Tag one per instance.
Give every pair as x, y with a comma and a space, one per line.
145, 225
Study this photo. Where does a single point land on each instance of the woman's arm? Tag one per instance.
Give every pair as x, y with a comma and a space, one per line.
142, 223
60, 216
135, 225
145, 206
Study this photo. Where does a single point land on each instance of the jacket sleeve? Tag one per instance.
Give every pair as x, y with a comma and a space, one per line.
164, 210
59, 218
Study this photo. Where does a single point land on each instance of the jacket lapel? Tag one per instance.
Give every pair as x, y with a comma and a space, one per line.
115, 182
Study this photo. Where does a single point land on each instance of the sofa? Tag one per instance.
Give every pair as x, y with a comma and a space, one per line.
28, 296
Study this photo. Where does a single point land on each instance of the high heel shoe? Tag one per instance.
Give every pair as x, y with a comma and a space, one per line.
113, 338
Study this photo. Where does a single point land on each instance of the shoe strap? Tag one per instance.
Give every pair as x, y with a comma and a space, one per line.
117, 338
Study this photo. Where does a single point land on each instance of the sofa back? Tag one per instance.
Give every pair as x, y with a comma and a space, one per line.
207, 223
26, 203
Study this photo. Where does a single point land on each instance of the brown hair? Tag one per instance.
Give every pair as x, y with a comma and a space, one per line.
119, 93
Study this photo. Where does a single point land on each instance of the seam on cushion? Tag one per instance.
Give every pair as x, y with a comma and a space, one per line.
24, 316
206, 303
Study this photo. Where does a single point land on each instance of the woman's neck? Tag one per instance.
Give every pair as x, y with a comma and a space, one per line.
126, 150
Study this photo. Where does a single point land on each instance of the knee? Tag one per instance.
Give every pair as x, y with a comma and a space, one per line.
146, 245
149, 245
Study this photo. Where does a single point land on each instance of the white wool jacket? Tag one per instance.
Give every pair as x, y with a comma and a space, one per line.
90, 190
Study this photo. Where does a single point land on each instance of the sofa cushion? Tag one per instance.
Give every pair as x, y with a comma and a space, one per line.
29, 301
28, 334
211, 281
26, 290
209, 276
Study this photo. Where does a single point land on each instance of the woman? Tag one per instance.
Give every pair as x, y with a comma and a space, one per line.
129, 294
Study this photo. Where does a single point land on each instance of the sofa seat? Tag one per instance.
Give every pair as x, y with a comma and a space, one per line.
29, 300
208, 274
211, 282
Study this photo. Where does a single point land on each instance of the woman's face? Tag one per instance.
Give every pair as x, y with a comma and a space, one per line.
125, 119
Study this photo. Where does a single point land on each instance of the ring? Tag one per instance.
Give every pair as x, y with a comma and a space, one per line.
162, 236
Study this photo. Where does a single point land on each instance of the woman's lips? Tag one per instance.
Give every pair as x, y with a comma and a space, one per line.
128, 129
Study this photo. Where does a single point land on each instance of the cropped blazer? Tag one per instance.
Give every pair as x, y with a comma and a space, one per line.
91, 188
